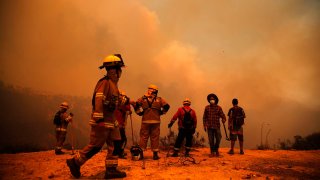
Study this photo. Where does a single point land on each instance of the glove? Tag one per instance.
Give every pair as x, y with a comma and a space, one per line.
205, 129
124, 100
193, 130
170, 124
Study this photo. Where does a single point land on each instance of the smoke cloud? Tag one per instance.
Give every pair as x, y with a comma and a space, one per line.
264, 53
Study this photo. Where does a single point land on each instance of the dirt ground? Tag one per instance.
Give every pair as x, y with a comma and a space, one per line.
255, 164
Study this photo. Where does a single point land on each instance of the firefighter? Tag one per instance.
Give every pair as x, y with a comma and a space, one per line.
121, 114
104, 102
187, 124
150, 106
61, 121
211, 123
235, 122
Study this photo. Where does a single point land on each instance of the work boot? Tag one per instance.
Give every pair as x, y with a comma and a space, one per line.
231, 151
122, 156
241, 147
241, 152
113, 172
74, 168
217, 153
59, 152
175, 153
155, 155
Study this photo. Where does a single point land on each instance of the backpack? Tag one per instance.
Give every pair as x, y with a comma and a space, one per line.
238, 116
57, 119
187, 119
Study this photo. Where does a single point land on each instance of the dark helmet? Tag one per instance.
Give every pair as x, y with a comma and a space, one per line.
235, 101
216, 99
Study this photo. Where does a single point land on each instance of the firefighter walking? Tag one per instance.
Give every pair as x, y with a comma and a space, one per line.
61, 121
187, 126
104, 101
151, 107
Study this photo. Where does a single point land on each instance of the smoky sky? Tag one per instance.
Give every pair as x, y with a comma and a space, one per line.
265, 53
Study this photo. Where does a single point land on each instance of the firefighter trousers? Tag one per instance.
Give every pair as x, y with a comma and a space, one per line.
151, 130
184, 133
60, 137
98, 136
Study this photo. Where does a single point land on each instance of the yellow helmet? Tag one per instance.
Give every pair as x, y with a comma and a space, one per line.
64, 105
186, 101
114, 60
152, 86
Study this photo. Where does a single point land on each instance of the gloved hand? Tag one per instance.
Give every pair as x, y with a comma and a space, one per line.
205, 129
193, 130
124, 100
170, 124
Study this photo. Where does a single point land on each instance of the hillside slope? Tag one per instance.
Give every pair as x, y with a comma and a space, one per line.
255, 164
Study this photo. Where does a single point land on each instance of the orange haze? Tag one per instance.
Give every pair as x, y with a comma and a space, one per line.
265, 53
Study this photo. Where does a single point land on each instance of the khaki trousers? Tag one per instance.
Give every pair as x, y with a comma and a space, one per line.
98, 136
151, 130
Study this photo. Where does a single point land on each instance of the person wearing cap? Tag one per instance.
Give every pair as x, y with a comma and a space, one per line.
235, 122
61, 121
121, 114
211, 123
103, 123
187, 124
150, 106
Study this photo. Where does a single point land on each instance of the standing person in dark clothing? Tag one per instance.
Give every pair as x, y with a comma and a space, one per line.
121, 114
235, 123
211, 123
187, 124
61, 121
